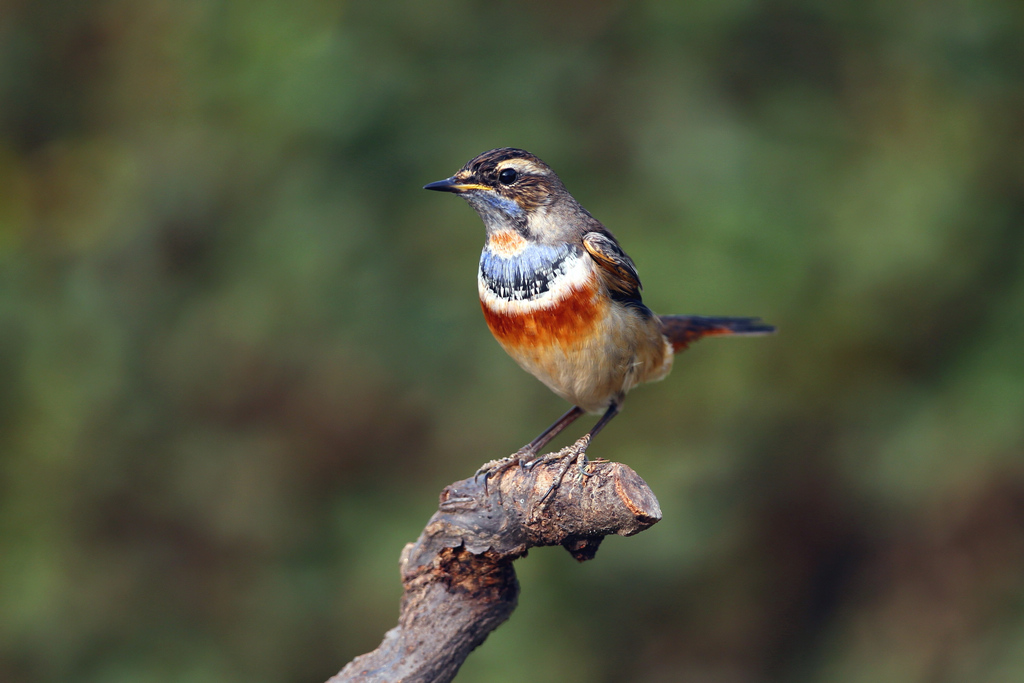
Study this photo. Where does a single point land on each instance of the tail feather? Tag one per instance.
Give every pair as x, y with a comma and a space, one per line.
683, 330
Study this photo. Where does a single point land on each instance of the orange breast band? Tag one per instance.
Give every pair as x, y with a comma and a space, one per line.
564, 324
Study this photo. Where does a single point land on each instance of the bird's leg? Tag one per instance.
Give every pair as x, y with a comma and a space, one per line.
612, 411
581, 445
528, 453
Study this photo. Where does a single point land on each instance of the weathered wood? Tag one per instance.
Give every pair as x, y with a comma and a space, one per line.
458, 576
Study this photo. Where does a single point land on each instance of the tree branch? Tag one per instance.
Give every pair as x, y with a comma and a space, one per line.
458, 576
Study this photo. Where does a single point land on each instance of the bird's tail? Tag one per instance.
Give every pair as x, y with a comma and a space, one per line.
683, 330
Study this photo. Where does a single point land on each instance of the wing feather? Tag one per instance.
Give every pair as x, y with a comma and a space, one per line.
617, 269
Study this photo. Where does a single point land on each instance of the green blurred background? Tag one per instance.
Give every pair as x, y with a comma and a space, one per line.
241, 351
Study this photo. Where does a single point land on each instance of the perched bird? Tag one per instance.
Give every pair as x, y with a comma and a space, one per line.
562, 297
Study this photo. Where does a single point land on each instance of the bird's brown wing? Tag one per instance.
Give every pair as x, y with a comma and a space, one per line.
616, 268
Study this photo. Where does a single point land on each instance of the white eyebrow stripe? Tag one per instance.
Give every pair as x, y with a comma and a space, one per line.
523, 166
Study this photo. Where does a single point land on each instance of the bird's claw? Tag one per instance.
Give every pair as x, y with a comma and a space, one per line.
524, 457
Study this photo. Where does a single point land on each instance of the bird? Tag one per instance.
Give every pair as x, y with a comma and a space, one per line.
562, 297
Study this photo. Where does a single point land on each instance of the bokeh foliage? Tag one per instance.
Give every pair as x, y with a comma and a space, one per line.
240, 349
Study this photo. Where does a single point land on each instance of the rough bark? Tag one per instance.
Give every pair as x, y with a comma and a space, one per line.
458, 576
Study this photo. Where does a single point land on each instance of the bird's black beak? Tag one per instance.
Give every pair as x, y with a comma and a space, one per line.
454, 184
446, 185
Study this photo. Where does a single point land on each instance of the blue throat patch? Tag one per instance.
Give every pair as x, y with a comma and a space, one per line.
503, 204
527, 275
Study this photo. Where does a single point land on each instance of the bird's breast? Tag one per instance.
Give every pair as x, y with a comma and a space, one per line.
538, 295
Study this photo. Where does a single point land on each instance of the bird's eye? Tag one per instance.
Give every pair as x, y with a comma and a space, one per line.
507, 176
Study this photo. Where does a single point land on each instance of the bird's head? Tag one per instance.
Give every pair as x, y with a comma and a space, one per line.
512, 189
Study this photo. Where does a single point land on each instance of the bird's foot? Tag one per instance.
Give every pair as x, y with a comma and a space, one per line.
525, 457
576, 453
